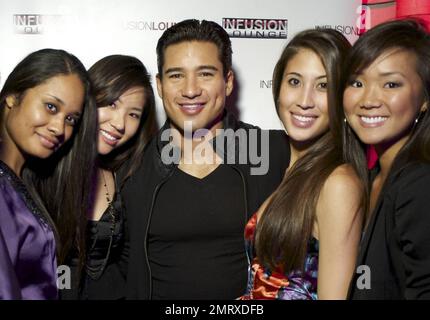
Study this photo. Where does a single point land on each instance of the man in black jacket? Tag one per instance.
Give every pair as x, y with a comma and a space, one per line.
202, 176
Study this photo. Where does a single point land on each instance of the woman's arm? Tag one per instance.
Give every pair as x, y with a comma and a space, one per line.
338, 227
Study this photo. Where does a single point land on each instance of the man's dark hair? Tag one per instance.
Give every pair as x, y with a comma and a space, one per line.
195, 30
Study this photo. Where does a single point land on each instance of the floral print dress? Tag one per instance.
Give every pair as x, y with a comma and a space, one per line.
264, 283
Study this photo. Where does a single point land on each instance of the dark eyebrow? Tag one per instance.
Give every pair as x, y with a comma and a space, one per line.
386, 74
383, 74
170, 70
293, 73
56, 98
204, 67
299, 75
61, 102
207, 67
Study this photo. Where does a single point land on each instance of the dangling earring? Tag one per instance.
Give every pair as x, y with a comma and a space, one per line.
420, 116
344, 119
417, 119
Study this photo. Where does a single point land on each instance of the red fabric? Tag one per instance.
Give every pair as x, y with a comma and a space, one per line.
373, 14
419, 9
376, 1
382, 14
265, 287
372, 157
398, 9
407, 8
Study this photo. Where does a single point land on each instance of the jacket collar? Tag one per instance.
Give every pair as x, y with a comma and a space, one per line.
369, 230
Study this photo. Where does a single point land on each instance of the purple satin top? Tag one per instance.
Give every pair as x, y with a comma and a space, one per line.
28, 266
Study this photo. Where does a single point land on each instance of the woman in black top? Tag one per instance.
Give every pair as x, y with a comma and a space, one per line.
126, 119
386, 104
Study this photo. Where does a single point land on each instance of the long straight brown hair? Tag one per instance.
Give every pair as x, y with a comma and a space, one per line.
286, 225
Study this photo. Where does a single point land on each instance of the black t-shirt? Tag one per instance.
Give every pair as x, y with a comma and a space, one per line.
196, 243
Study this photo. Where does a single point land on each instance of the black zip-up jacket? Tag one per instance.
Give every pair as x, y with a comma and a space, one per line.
140, 193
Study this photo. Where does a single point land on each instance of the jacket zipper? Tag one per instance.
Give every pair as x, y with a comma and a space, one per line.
154, 195
245, 198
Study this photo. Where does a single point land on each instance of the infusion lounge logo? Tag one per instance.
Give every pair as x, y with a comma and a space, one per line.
28, 23
256, 28
344, 29
266, 84
140, 25
33, 23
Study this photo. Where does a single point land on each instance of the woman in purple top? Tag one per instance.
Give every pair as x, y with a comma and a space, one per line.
47, 134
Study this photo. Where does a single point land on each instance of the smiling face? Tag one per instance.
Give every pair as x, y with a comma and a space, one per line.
44, 118
119, 121
192, 85
382, 102
302, 104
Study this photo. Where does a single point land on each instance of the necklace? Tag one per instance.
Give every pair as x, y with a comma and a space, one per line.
108, 198
110, 206
96, 271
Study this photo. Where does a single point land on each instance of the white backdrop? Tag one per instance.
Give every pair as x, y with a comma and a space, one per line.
92, 29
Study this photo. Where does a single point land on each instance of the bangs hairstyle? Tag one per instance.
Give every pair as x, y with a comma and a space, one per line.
111, 77
408, 35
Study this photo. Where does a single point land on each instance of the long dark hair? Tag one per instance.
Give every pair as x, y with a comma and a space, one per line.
286, 225
111, 77
409, 35
60, 184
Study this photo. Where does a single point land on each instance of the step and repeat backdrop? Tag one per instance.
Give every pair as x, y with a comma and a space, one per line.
377, 11
92, 29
